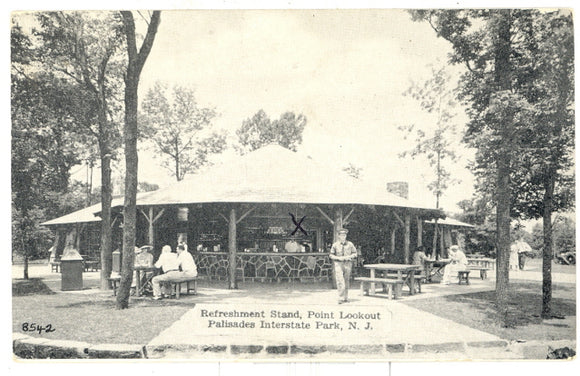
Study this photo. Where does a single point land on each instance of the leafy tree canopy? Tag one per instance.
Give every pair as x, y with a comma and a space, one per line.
259, 131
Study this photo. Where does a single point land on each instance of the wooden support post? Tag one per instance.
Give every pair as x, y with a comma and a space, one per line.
442, 241
407, 238
151, 231
393, 234
337, 224
419, 232
435, 233
232, 249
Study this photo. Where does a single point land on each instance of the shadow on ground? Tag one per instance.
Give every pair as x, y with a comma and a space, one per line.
524, 309
33, 286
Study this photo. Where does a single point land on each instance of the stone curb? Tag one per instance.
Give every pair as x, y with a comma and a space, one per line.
27, 347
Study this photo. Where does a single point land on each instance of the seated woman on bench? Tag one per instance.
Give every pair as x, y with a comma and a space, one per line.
175, 269
458, 262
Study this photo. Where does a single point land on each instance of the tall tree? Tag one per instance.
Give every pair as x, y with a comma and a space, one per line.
547, 161
136, 61
44, 146
259, 131
436, 96
175, 124
81, 46
482, 40
518, 87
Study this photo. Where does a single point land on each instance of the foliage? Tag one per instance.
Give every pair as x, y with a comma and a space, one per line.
435, 97
519, 87
259, 131
478, 212
44, 146
83, 49
353, 171
564, 235
175, 124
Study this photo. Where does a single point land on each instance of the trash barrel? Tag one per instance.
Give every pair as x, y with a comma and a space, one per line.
71, 267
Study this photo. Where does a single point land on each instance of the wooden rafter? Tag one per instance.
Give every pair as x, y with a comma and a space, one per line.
245, 214
345, 220
224, 217
145, 215
325, 215
398, 218
158, 215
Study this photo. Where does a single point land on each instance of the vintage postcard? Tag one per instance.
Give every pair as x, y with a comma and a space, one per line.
293, 185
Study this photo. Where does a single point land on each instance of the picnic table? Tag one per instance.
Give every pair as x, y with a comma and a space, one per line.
402, 272
435, 268
481, 262
140, 286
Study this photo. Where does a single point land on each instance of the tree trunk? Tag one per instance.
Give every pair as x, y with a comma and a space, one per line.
134, 68
130, 205
25, 276
232, 250
547, 252
106, 231
502, 78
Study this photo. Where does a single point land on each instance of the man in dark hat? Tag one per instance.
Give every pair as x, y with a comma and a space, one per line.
342, 253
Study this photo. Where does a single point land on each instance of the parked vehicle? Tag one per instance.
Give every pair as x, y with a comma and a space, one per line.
566, 258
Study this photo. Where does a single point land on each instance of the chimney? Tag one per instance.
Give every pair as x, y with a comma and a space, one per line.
399, 188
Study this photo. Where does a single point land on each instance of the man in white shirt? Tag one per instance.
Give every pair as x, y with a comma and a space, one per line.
184, 267
168, 263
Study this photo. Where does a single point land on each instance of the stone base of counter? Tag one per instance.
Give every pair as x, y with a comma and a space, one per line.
271, 267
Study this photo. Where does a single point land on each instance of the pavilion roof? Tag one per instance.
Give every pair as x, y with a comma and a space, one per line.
274, 174
451, 222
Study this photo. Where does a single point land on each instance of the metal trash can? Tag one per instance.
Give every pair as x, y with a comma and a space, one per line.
71, 268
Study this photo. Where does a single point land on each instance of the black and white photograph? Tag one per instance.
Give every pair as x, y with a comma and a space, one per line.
292, 184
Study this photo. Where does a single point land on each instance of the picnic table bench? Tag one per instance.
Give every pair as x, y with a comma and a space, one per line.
55, 265
392, 275
393, 287
175, 286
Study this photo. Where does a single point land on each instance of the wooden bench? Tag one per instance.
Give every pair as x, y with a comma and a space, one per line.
175, 286
393, 287
482, 271
91, 265
55, 266
463, 276
115, 282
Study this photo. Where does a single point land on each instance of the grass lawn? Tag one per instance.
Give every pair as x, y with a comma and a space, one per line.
477, 311
91, 317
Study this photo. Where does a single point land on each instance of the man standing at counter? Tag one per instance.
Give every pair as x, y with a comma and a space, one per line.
342, 253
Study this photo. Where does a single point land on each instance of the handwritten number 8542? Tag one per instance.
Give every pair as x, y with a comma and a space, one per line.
33, 327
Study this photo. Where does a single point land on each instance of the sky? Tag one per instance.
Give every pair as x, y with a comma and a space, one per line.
345, 70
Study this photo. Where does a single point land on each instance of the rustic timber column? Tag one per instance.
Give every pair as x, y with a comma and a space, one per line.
442, 243
407, 237
419, 232
435, 231
337, 224
393, 234
232, 249
151, 232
